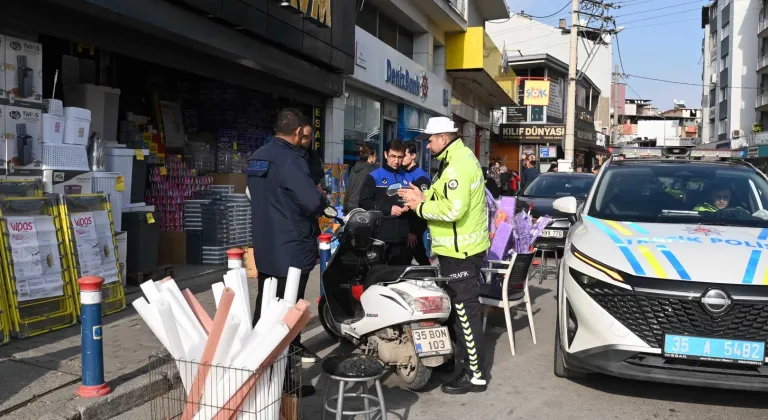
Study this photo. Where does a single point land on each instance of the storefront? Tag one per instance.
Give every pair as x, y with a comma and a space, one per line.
193, 88
529, 142
389, 96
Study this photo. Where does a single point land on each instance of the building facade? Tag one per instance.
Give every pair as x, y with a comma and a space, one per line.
521, 35
733, 77
408, 56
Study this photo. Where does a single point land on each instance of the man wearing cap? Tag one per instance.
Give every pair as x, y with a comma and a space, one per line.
456, 212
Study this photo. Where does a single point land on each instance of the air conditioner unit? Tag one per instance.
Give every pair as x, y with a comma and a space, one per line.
737, 133
713, 78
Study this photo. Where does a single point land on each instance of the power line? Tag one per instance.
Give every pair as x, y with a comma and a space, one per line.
660, 8
662, 16
663, 23
553, 14
691, 84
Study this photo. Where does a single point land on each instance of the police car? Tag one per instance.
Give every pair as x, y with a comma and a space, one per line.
665, 271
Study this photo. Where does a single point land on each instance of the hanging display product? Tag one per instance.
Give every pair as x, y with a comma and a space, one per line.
35, 255
94, 245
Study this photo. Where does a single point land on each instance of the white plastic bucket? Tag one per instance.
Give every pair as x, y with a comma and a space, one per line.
53, 129
78, 125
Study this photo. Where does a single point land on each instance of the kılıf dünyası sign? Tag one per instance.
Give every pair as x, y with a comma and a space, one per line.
532, 132
416, 84
95, 248
35, 255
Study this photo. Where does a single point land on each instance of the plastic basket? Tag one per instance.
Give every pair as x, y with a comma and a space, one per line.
65, 157
106, 182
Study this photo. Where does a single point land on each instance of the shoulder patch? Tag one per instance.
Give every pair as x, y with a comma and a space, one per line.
258, 167
384, 181
453, 184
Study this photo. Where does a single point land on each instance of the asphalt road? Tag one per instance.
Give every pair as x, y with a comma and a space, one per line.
524, 387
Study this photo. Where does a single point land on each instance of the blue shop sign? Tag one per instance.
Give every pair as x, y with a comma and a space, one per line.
412, 83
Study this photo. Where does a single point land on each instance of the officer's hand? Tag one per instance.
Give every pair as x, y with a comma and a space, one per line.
397, 210
412, 196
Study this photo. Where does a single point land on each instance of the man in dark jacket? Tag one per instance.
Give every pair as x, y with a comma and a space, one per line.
529, 174
373, 196
417, 226
285, 206
357, 176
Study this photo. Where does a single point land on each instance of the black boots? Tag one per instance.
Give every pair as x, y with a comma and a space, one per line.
464, 383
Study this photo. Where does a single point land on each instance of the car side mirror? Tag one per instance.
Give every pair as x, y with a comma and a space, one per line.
566, 205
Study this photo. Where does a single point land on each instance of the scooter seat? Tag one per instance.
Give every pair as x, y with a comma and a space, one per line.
379, 274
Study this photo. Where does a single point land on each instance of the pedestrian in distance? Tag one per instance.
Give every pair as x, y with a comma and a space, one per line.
417, 226
596, 169
530, 173
457, 215
357, 175
285, 205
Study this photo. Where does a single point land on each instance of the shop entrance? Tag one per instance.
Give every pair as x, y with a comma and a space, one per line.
389, 131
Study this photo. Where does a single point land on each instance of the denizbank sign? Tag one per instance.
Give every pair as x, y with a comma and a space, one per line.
416, 84
319, 11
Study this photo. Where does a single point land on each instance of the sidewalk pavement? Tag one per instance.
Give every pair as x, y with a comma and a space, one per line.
39, 375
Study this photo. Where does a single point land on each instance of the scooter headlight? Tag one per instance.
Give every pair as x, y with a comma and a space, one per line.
426, 305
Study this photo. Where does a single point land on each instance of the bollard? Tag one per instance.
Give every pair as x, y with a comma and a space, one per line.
235, 258
91, 339
325, 255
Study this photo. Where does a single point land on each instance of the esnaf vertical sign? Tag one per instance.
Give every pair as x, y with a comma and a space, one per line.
318, 11
317, 121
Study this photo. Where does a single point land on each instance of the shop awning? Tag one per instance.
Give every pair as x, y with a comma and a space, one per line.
475, 62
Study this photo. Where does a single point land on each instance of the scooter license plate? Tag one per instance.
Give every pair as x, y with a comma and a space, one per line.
433, 341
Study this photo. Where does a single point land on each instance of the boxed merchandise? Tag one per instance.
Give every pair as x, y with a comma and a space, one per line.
17, 174
67, 182
23, 137
240, 181
23, 73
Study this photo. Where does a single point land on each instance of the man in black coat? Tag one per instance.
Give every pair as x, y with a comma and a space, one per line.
285, 203
530, 173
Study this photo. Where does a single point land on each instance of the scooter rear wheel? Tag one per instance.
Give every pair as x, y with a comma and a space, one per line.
417, 378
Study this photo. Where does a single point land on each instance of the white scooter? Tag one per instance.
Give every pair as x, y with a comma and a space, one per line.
393, 313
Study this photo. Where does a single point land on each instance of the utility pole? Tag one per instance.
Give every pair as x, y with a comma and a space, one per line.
570, 118
615, 123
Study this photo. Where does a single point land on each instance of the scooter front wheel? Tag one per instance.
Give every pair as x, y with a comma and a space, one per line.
326, 319
415, 377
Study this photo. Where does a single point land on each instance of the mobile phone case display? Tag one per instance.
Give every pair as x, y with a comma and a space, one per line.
170, 186
92, 244
38, 283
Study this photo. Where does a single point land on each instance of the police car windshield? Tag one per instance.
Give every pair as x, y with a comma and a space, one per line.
675, 192
554, 185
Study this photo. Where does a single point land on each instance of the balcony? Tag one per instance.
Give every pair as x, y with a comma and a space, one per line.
762, 102
762, 64
762, 26
449, 15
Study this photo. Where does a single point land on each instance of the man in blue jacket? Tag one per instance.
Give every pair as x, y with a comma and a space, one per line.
417, 225
285, 203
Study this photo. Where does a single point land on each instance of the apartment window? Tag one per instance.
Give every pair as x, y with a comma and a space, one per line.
405, 42
725, 32
722, 127
724, 62
368, 19
388, 31
723, 93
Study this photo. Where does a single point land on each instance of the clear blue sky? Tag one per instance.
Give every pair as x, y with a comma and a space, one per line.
670, 51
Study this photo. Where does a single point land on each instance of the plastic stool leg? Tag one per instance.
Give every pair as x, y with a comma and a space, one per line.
366, 405
340, 401
380, 393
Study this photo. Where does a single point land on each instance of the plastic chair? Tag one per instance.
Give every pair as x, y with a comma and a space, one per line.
516, 272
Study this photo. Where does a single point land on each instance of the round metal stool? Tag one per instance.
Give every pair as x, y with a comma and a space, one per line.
356, 369
544, 268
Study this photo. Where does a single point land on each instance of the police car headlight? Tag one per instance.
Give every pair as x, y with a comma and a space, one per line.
598, 266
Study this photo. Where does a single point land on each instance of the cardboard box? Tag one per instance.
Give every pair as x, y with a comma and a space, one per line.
121, 238
23, 127
240, 181
23, 73
67, 182
249, 262
173, 248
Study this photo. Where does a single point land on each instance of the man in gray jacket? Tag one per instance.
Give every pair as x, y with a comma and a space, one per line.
357, 175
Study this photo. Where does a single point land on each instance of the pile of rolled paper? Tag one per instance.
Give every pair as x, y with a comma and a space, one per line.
201, 346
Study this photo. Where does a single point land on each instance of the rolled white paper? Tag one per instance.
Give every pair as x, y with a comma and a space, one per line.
187, 330
292, 285
171, 286
276, 386
151, 317
249, 359
232, 280
255, 404
217, 289
175, 346
225, 349
246, 290
150, 290
267, 295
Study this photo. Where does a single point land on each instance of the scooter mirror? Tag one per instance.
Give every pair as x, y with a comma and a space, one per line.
392, 190
330, 212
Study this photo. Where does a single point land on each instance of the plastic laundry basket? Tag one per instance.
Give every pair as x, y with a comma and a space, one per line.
106, 182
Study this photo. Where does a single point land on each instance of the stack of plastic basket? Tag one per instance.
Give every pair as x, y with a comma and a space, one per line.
106, 182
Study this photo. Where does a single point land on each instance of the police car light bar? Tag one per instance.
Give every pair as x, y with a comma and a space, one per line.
673, 153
